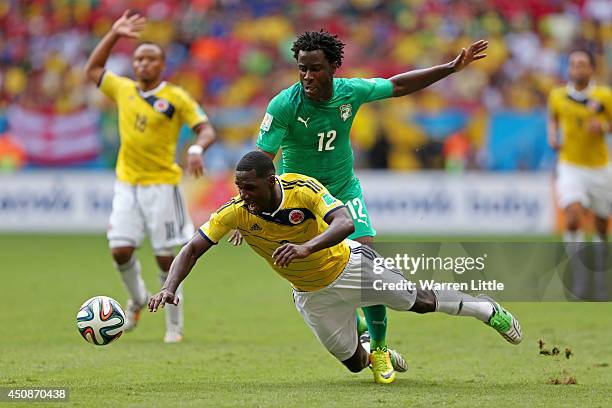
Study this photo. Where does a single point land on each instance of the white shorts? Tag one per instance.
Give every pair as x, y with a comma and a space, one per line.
157, 210
330, 312
591, 187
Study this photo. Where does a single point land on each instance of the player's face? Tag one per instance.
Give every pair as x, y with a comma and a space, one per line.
258, 193
148, 63
580, 68
316, 74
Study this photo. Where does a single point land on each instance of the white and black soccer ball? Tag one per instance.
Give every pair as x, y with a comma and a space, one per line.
101, 320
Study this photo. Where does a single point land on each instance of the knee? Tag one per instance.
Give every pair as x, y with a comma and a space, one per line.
122, 255
357, 361
601, 225
572, 216
425, 302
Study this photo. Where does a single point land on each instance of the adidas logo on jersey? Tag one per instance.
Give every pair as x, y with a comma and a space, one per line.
255, 227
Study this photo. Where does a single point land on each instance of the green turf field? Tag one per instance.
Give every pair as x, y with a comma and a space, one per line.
246, 346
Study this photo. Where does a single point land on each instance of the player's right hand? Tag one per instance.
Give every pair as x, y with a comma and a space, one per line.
161, 299
129, 26
235, 238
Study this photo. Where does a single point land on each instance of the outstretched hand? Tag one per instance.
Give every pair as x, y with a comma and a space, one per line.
129, 26
161, 299
472, 53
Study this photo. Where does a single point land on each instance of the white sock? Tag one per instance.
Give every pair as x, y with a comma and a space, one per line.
174, 314
457, 303
600, 249
132, 280
574, 242
600, 252
573, 236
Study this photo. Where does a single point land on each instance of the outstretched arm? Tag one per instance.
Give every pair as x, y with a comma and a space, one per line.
180, 268
340, 227
411, 81
125, 26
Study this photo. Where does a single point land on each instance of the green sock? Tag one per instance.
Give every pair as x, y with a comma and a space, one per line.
376, 319
362, 326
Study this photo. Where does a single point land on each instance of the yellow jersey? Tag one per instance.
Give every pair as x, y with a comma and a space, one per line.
298, 219
149, 125
578, 145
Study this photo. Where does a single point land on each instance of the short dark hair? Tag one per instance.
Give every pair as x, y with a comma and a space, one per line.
258, 161
585, 51
161, 49
322, 40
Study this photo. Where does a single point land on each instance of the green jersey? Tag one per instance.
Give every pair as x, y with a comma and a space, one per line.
314, 136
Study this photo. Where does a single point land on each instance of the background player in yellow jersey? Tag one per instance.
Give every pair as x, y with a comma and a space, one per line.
301, 230
581, 113
147, 198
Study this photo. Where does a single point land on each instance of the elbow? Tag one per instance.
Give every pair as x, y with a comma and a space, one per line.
187, 256
213, 135
88, 73
92, 73
88, 69
206, 134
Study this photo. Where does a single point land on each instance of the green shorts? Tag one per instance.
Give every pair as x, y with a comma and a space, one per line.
352, 197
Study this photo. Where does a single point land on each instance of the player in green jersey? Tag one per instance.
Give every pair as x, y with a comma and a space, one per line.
311, 122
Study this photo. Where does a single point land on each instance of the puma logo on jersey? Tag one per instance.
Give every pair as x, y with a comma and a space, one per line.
305, 122
362, 221
255, 227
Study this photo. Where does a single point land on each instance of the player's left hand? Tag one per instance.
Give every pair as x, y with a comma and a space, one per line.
597, 126
285, 253
195, 165
236, 238
161, 299
472, 53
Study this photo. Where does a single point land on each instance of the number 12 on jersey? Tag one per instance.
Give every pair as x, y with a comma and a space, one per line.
331, 135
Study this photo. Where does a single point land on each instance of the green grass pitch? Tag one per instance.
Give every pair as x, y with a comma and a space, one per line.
246, 346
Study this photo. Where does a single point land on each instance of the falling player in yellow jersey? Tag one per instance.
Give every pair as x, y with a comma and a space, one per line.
581, 112
147, 197
301, 230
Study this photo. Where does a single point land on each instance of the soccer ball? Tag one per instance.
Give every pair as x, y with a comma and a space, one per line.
101, 320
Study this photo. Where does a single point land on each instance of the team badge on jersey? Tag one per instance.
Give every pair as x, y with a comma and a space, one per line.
296, 216
161, 105
266, 122
346, 111
594, 106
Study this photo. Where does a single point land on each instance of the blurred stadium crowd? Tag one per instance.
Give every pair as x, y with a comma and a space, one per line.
233, 56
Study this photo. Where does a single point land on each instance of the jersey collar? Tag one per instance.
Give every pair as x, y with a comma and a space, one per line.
579, 95
153, 91
282, 199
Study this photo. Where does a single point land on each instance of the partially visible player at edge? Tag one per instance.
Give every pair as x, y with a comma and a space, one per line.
147, 197
311, 122
302, 231
581, 112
